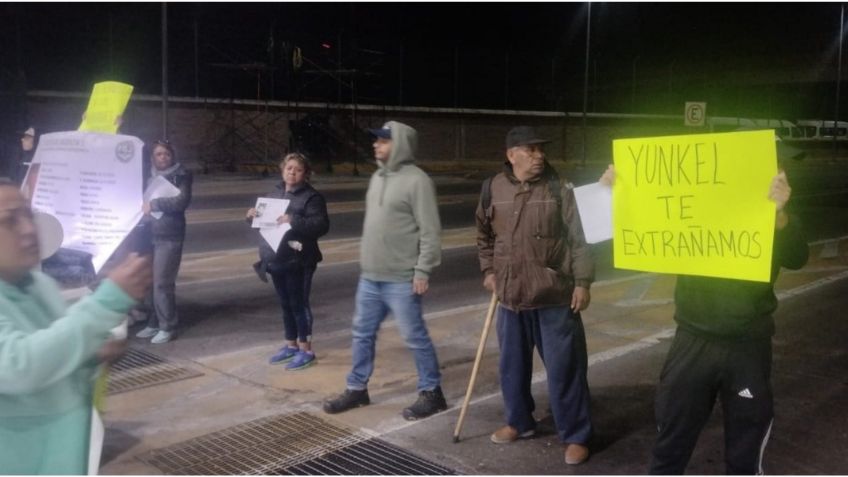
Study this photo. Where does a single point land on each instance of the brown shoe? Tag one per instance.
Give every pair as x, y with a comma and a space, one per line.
507, 434
576, 454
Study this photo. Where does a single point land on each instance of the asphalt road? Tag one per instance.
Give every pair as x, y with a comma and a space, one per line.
820, 199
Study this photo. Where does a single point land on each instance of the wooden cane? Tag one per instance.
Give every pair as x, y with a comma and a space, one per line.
488, 324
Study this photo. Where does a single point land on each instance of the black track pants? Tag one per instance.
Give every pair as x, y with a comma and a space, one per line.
696, 371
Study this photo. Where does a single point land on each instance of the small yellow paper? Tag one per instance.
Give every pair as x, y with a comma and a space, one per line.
695, 204
107, 103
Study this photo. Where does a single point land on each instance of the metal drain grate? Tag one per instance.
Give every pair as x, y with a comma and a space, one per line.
139, 369
371, 457
295, 443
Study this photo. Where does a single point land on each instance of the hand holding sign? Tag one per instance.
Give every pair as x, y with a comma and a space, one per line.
779, 192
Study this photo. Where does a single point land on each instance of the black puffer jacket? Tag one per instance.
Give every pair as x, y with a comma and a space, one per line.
309, 221
173, 222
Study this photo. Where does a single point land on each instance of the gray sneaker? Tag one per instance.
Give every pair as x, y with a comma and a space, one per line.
147, 332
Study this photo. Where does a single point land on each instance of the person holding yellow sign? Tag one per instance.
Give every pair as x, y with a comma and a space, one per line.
722, 350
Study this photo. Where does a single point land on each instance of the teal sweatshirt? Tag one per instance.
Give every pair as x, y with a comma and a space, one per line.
401, 236
47, 364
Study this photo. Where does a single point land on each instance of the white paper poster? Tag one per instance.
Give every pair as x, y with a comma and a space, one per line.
267, 212
594, 203
91, 182
157, 188
95, 443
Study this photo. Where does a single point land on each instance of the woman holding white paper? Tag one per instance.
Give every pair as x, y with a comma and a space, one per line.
166, 218
293, 263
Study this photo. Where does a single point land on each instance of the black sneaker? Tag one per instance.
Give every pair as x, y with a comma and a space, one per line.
428, 403
346, 401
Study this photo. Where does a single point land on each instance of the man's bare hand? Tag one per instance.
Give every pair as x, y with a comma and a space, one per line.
608, 178
420, 286
489, 282
145, 208
580, 299
251, 213
134, 275
779, 192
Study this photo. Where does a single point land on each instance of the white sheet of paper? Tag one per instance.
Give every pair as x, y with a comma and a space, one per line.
274, 235
95, 445
267, 211
91, 182
159, 187
594, 203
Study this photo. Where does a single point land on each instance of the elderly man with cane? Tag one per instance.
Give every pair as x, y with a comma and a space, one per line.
534, 256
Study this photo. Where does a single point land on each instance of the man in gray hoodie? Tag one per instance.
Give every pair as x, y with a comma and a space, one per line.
400, 246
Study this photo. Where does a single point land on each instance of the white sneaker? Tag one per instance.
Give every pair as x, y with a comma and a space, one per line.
147, 332
162, 337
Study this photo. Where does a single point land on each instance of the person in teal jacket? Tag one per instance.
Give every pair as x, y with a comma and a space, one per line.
48, 351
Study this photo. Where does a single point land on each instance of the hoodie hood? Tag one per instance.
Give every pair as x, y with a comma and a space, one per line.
404, 147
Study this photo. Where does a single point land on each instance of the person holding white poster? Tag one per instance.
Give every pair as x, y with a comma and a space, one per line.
168, 230
49, 351
292, 262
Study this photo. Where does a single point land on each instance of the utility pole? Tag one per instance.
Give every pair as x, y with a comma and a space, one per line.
400, 77
111, 49
838, 79
633, 85
506, 79
586, 77
196, 69
164, 70
272, 48
455, 76
339, 68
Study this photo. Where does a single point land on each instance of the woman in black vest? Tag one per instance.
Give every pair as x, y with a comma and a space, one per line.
291, 267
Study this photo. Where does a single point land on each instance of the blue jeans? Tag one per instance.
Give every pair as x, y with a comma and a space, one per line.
558, 334
293, 286
374, 300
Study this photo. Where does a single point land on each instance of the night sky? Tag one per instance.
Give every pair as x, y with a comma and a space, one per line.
746, 59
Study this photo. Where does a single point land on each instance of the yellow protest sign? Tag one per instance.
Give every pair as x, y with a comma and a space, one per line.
695, 204
107, 103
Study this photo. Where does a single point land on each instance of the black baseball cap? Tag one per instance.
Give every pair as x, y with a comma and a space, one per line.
523, 136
